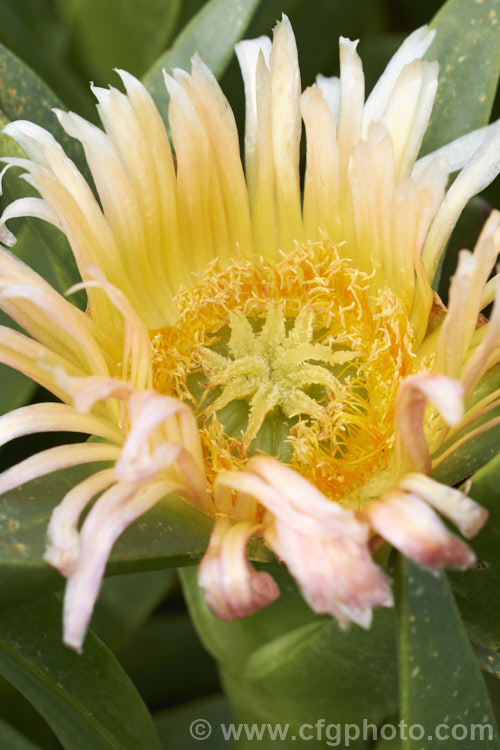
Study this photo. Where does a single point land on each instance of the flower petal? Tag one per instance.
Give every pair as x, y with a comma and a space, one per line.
54, 459
411, 401
416, 530
466, 514
337, 576
110, 516
231, 586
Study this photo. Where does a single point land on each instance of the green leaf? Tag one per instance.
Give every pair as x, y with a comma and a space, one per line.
287, 664
487, 658
171, 534
88, 700
10, 738
467, 47
475, 452
20, 24
440, 681
126, 603
24, 96
174, 725
212, 33
128, 34
476, 590
169, 639
16, 389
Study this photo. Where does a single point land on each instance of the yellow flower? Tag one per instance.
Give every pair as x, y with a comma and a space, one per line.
271, 351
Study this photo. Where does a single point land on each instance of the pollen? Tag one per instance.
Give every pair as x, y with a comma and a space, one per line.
299, 357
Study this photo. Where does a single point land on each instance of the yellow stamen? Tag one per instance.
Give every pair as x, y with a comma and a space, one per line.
306, 341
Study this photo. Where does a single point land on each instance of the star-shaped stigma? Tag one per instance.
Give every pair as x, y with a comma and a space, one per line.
272, 368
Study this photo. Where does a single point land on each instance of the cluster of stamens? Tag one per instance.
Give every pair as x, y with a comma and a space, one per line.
304, 348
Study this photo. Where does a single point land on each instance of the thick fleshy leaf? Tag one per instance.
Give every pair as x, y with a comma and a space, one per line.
24, 96
20, 24
487, 658
467, 47
212, 33
16, 389
126, 602
190, 725
476, 590
128, 34
473, 454
12, 739
169, 639
72, 692
287, 664
173, 533
442, 689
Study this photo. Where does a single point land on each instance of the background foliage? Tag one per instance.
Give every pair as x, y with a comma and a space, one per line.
143, 649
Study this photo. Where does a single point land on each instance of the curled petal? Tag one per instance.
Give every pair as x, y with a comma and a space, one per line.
414, 393
336, 576
86, 391
231, 586
324, 546
466, 514
136, 346
293, 499
62, 534
114, 511
411, 526
171, 426
53, 418
53, 459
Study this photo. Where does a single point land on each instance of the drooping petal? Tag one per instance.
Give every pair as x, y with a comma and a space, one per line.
177, 443
336, 576
110, 516
293, 499
62, 534
414, 393
324, 546
54, 459
466, 514
231, 586
416, 530
53, 418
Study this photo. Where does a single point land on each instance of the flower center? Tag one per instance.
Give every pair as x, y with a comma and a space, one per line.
300, 358
272, 368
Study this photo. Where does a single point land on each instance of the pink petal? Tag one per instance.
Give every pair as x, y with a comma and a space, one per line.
295, 500
337, 576
465, 513
231, 586
53, 459
62, 533
113, 512
416, 530
411, 401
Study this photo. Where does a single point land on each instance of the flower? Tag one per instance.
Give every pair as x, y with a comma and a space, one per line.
282, 364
